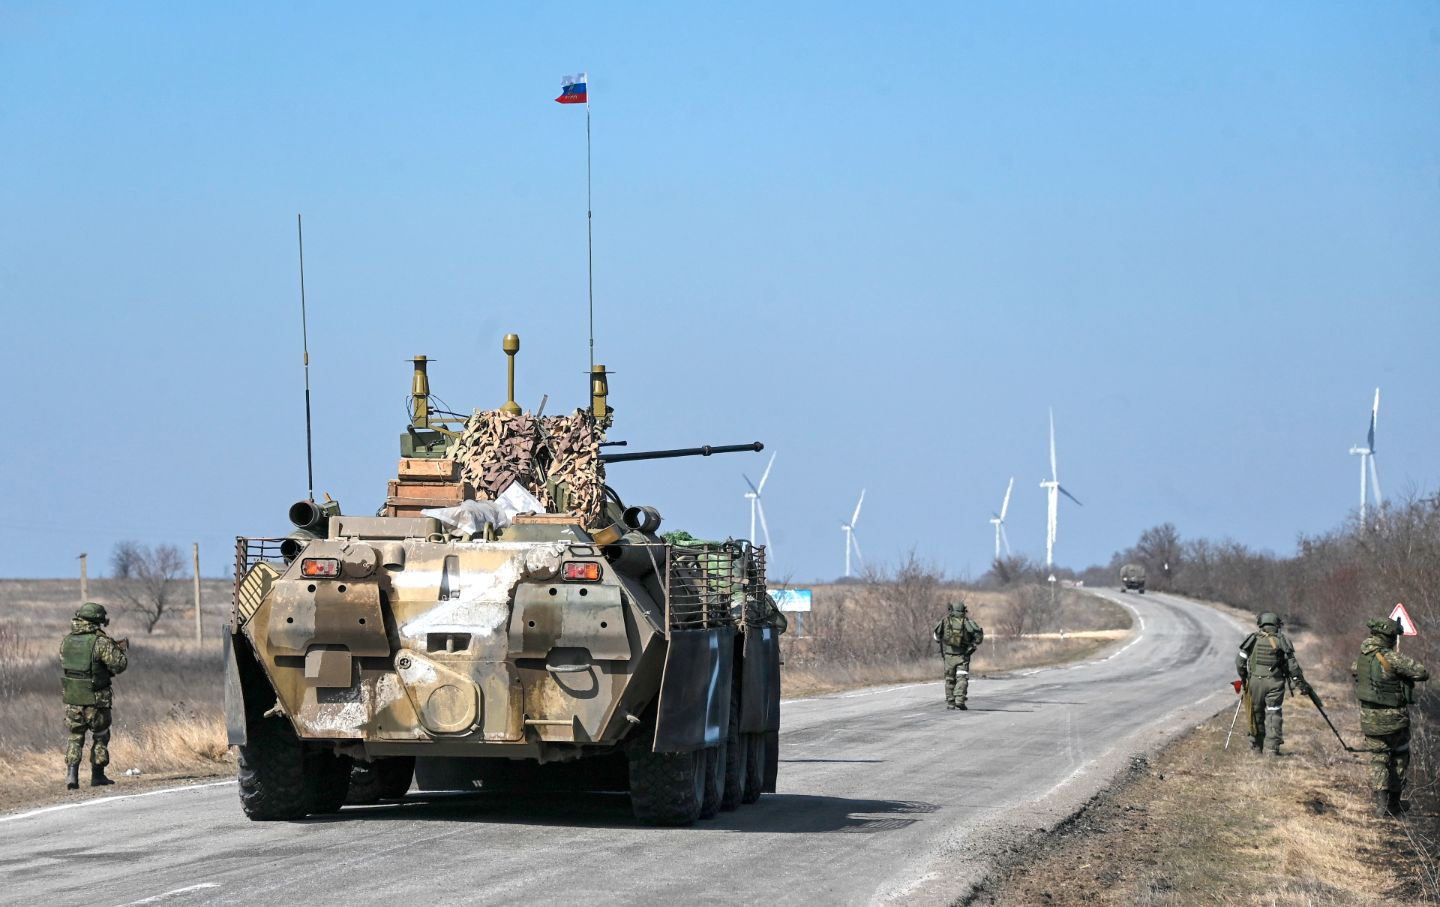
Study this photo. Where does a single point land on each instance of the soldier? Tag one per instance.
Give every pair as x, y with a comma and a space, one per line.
88, 658
1266, 661
959, 637
1385, 685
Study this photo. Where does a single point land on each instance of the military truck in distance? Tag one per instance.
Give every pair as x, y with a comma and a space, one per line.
570, 643
1132, 578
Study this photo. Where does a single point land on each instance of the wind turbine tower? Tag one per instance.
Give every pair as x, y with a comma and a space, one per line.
999, 521
757, 506
1053, 490
1367, 457
849, 530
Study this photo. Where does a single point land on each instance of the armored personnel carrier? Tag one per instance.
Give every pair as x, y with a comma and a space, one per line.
505, 621
1132, 578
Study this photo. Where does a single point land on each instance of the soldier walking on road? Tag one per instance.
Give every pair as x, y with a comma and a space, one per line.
1266, 663
88, 658
1385, 685
959, 637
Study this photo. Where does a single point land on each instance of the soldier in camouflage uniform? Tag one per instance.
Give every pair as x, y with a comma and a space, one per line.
1266, 662
89, 658
1385, 685
959, 636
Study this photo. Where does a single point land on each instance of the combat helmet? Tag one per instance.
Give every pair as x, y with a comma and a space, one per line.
1269, 619
957, 607
1384, 626
93, 612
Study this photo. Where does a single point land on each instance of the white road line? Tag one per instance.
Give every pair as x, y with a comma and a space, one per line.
155, 899
99, 800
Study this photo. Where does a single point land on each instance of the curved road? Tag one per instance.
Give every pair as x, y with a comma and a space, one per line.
884, 796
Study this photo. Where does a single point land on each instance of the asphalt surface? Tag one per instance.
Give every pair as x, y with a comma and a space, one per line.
884, 796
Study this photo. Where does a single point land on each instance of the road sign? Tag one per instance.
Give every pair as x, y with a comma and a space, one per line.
792, 600
1407, 626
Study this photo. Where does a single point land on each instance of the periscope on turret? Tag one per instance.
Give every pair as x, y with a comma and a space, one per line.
504, 621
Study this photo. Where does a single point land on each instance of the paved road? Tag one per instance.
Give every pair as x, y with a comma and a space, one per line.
884, 797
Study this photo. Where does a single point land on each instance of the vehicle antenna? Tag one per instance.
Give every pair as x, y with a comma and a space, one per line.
305, 345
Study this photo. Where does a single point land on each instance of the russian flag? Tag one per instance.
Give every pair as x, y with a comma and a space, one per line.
572, 90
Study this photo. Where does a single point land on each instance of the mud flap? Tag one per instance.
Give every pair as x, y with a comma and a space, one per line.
760, 682
694, 707
235, 733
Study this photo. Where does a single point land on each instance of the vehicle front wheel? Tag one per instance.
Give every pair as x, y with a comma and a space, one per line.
667, 788
272, 772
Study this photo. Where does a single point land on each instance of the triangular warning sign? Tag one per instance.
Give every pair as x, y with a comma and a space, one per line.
1407, 626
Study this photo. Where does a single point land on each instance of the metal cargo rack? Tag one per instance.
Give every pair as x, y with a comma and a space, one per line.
250, 553
712, 584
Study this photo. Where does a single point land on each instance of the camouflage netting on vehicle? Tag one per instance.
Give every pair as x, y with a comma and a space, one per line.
557, 458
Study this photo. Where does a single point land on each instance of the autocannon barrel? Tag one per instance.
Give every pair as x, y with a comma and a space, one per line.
705, 451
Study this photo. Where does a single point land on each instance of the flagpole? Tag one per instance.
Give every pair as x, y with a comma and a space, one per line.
589, 230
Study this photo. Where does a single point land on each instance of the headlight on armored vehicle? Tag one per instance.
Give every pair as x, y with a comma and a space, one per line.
319, 567
581, 572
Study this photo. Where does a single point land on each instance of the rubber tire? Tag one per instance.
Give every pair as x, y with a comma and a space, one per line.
327, 780
735, 760
385, 778
754, 767
714, 781
666, 788
272, 772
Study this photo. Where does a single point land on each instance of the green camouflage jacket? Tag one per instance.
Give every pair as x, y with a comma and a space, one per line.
1378, 722
107, 651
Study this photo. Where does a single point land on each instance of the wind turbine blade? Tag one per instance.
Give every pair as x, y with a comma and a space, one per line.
1054, 474
1375, 479
856, 517
1374, 417
856, 543
766, 475
1005, 507
1005, 538
753, 490
1070, 496
764, 527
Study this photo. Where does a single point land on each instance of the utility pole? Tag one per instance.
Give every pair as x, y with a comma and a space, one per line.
84, 581
198, 623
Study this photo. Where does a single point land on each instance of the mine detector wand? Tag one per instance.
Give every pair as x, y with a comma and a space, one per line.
1238, 684
1320, 707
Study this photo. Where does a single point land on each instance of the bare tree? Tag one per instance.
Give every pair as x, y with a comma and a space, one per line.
1160, 551
145, 579
1015, 568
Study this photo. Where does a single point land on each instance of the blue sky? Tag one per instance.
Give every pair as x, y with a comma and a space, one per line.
881, 241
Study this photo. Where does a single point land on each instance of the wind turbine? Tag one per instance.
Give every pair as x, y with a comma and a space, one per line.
1053, 490
999, 521
1367, 455
756, 504
849, 530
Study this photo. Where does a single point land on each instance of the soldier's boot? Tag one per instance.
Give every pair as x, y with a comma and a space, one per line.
97, 776
962, 706
72, 777
950, 704
1382, 803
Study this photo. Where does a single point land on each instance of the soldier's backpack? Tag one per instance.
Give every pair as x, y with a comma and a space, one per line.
963, 634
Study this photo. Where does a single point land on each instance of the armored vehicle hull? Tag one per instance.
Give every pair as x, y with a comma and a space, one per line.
573, 647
